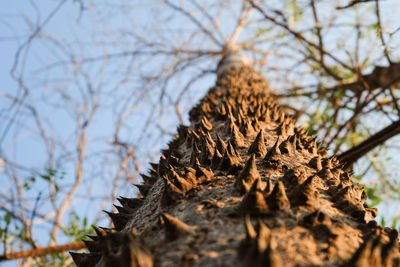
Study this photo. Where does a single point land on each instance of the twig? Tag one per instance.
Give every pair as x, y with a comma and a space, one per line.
353, 3
195, 21
380, 31
39, 251
300, 37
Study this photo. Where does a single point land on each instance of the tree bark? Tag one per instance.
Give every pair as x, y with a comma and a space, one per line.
243, 186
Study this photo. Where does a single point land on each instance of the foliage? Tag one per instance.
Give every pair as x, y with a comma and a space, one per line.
96, 99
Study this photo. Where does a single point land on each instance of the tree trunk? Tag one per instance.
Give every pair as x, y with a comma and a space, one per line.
243, 186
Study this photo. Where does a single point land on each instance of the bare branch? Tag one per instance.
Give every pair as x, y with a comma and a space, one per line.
353, 3
380, 32
40, 251
300, 37
378, 78
355, 153
195, 21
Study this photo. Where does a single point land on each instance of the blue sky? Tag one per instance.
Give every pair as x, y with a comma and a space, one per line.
81, 32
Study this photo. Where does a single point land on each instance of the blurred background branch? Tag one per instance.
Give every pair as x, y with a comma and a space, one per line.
95, 89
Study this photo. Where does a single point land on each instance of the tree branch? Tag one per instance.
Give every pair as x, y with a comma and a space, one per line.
39, 251
352, 155
380, 77
353, 3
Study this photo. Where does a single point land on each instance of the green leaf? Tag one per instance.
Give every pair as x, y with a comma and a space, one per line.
51, 172
26, 186
372, 197
9, 239
262, 31
349, 75
383, 223
394, 223
65, 230
24, 233
45, 177
7, 218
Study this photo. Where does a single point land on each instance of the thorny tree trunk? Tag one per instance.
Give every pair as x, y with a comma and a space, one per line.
243, 186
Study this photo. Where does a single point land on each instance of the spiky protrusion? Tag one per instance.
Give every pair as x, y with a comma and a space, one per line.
247, 128
288, 146
272, 158
132, 203
119, 219
237, 138
254, 201
316, 218
143, 188
175, 227
116, 249
125, 250
205, 124
84, 259
248, 175
278, 200
230, 160
377, 251
258, 146
176, 185
316, 163
221, 145
259, 247
306, 193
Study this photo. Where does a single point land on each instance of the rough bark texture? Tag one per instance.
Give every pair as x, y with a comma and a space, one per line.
243, 186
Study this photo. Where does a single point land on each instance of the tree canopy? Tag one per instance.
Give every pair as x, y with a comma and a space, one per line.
94, 90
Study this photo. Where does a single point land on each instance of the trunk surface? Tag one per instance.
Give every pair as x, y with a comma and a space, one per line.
243, 186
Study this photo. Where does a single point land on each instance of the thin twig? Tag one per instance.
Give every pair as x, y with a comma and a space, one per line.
40, 251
